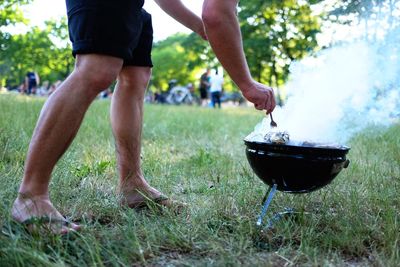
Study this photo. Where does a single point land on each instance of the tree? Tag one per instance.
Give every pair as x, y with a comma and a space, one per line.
376, 16
173, 61
61, 62
43, 50
275, 33
201, 54
10, 14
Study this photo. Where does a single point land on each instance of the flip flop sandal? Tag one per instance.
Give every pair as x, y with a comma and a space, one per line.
158, 204
44, 223
148, 202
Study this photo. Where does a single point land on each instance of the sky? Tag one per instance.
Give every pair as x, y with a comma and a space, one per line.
41, 10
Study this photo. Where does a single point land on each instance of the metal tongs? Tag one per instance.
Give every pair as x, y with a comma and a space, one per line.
272, 123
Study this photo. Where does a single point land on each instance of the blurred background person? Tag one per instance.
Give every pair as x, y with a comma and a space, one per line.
32, 81
216, 83
43, 89
204, 86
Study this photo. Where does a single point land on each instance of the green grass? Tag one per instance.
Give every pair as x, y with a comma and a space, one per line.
197, 156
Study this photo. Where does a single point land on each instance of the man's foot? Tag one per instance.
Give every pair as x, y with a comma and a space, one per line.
38, 214
148, 197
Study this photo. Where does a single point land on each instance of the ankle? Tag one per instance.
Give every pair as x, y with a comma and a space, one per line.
33, 190
26, 195
131, 184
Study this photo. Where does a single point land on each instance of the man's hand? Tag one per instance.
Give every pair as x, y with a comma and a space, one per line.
261, 96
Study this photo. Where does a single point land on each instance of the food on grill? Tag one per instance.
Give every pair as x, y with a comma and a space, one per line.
277, 137
264, 134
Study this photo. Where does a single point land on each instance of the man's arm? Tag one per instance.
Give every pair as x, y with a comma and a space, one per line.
224, 35
182, 14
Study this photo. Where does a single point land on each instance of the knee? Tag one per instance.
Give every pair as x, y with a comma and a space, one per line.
96, 77
135, 77
90, 83
99, 80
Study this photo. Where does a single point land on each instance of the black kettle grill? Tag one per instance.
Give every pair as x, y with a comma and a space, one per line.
294, 167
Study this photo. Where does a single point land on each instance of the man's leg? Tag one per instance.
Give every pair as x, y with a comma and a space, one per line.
218, 97
213, 99
57, 126
126, 120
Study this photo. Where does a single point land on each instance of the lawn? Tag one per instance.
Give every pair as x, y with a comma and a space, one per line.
197, 156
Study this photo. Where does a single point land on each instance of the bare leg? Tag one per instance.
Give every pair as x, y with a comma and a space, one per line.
57, 126
126, 121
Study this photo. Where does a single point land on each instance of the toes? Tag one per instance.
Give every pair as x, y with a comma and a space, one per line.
57, 227
63, 231
76, 227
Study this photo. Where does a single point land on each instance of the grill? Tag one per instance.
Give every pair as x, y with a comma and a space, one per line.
294, 167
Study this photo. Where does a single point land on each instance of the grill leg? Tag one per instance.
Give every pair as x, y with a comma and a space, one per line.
271, 192
280, 215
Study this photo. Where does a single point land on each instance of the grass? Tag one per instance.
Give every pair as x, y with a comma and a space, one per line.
197, 156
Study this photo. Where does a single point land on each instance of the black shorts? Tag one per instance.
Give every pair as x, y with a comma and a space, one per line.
203, 93
119, 28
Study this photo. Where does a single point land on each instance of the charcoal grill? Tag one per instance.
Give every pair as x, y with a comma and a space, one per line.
294, 167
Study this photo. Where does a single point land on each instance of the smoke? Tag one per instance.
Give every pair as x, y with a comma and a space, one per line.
338, 93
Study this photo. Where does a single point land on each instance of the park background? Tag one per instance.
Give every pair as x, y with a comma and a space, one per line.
275, 34
334, 65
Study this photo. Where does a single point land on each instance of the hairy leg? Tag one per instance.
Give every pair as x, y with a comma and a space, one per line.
126, 121
57, 126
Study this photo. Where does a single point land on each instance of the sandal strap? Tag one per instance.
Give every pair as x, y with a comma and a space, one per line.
45, 220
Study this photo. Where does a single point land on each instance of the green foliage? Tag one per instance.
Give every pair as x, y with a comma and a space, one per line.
97, 169
200, 52
43, 50
10, 12
275, 33
184, 58
173, 60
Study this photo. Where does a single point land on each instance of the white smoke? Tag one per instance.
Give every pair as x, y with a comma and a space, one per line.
338, 93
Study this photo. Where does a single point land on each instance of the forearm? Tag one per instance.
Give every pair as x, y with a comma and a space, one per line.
177, 10
223, 32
